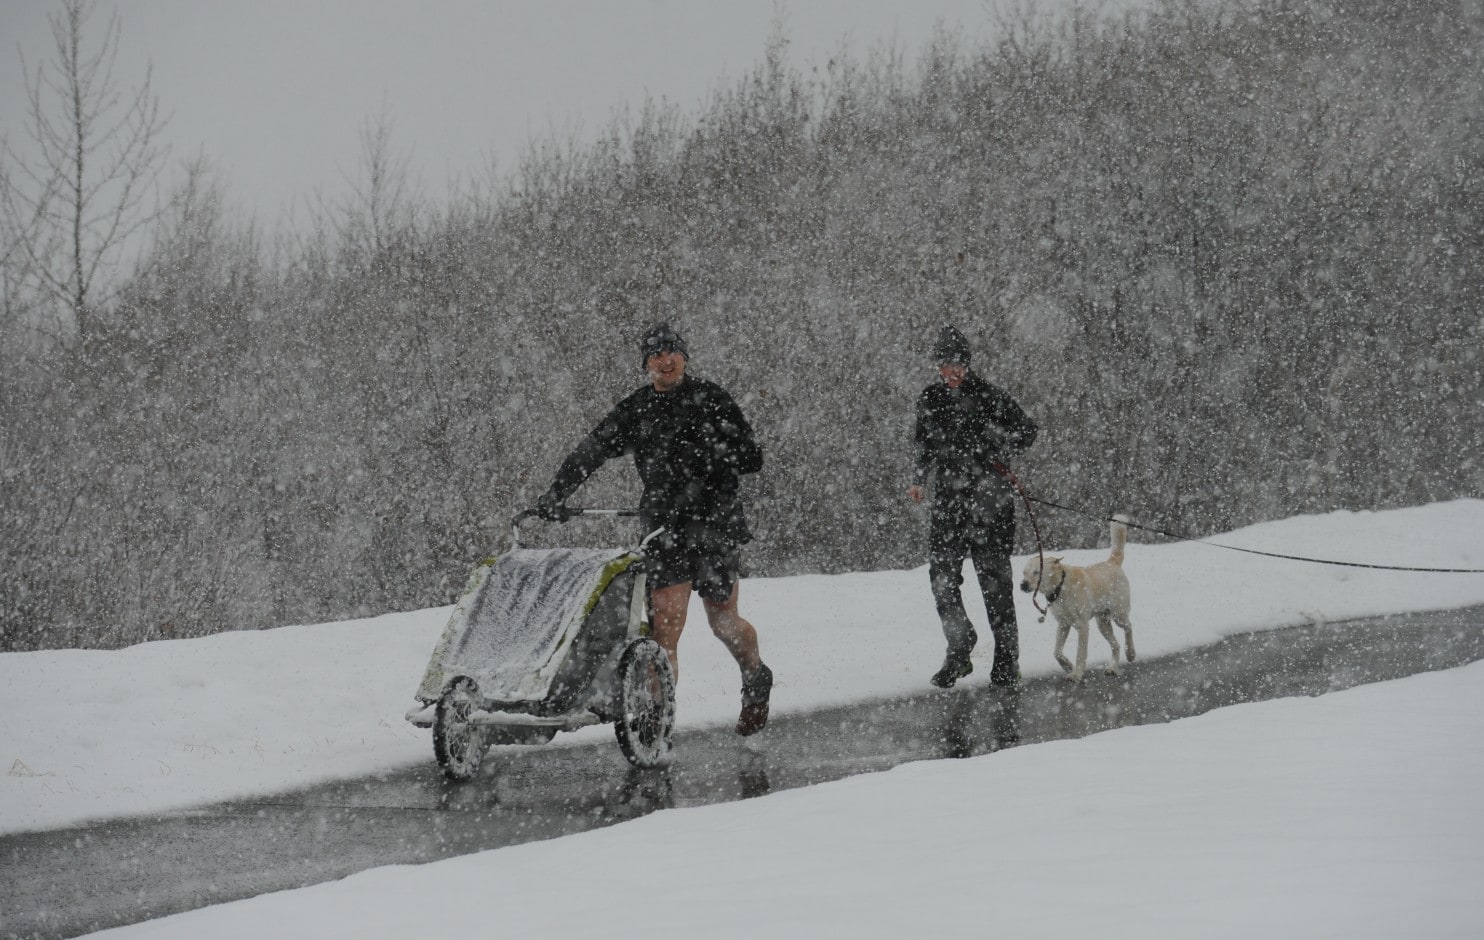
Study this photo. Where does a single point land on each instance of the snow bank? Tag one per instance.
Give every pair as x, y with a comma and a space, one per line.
89, 735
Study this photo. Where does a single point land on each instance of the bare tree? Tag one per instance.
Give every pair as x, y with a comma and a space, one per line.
381, 205
75, 194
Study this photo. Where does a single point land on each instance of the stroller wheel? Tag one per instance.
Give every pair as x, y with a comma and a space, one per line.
458, 743
646, 704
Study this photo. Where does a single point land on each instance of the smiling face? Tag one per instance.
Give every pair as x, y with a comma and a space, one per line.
666, 368
952, 373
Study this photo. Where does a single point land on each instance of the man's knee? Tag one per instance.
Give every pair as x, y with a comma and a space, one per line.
997, 580
946, 564
945, 576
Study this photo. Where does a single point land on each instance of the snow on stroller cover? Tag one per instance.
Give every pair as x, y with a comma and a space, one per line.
518, 618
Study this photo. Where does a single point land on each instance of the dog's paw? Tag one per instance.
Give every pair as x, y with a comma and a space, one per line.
1112, 670
1073, 676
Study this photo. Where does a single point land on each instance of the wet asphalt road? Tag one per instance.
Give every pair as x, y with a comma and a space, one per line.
67, 882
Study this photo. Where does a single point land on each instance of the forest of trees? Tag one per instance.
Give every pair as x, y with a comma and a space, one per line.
1226, 254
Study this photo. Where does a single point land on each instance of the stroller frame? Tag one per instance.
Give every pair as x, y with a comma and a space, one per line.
607, 670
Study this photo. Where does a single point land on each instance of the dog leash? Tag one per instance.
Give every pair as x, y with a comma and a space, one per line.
1250, 551
1004, 471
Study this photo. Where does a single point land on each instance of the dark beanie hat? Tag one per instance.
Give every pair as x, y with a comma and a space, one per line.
951, 347
660, 338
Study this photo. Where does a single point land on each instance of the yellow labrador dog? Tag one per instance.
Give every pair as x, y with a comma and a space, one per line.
1076, 595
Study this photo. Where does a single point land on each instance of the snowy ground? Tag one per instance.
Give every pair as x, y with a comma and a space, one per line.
1354, 814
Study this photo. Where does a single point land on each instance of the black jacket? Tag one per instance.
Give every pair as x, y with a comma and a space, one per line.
960, 432
690, 446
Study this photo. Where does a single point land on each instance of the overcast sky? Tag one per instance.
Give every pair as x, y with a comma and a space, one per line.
275, 92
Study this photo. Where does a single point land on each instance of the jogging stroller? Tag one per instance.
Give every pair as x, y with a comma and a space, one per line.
548, 640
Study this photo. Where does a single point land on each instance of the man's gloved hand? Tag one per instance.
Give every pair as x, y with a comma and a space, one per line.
552, 509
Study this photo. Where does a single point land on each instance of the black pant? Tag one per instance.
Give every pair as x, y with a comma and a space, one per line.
980, 526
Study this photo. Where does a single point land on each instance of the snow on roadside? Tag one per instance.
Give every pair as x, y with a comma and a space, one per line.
1353, 814
99, 734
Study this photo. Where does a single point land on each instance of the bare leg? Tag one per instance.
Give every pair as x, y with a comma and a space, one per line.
670, 604
740, 639
735, 633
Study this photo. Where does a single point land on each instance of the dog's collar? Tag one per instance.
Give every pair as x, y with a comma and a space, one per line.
1055, 592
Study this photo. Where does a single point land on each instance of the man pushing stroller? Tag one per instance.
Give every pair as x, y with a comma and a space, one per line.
691, 444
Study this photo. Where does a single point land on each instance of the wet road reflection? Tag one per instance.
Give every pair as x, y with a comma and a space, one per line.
63, 883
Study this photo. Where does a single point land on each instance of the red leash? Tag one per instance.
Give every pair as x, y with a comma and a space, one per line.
1004, 471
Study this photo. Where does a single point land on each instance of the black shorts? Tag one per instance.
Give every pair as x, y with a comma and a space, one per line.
712, 571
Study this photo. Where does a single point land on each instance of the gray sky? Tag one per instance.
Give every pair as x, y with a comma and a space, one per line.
275, 91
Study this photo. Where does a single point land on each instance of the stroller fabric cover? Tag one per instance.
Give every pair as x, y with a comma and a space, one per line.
517, 620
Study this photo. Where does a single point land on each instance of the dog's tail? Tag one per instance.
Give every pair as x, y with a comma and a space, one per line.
1118, 530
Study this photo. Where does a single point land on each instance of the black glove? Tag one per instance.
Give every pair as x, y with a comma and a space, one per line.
551, 509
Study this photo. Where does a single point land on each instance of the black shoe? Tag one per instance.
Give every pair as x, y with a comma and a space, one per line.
756, 689
953, 670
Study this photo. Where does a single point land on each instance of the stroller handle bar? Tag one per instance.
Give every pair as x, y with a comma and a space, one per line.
525, 514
